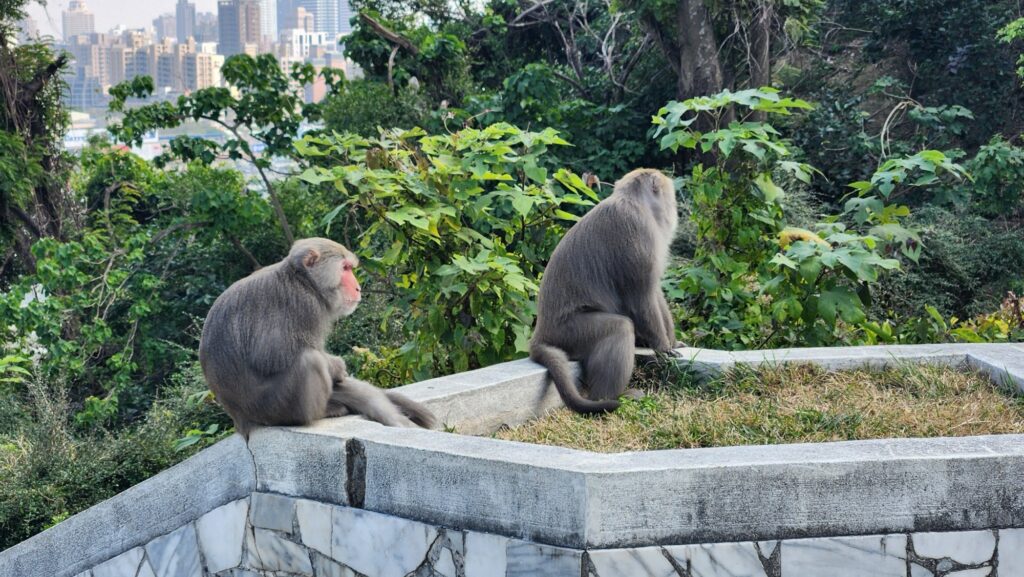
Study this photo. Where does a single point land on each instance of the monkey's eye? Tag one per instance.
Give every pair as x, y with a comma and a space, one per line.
347, 266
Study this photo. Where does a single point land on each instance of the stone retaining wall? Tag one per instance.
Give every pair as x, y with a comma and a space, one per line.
346, 497
273, 535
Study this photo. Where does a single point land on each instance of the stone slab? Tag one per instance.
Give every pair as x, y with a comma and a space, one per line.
574, 498
290, 461
152, 508
481, 401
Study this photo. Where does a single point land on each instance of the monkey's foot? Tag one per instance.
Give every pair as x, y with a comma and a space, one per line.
633, 394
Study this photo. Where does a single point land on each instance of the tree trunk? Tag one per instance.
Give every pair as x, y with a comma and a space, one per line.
760, 49
700, 71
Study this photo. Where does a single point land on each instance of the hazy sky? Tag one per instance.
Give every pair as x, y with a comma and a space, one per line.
110, 13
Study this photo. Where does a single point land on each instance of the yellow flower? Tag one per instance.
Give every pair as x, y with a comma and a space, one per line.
790, 235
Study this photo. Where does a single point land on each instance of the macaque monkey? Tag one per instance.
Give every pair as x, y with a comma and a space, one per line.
262, 349
601, 295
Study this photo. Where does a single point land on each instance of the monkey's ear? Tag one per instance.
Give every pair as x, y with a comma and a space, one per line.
310, 258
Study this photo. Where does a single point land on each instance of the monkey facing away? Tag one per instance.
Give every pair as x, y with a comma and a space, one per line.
601, 295
262, 348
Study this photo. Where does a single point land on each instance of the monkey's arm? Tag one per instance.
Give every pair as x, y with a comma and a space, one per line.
651, 321
337, 368
667, 320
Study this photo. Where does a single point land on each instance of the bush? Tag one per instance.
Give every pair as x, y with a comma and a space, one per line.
754, 281
363, 105
50, 469
457, 227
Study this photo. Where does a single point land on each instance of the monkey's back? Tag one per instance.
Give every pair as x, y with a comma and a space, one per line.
253, 330
583, 275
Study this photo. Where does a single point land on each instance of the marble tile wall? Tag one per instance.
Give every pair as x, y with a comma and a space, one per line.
269, 535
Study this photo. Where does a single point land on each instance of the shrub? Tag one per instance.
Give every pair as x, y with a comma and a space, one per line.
50, 469
457, 227
754, 281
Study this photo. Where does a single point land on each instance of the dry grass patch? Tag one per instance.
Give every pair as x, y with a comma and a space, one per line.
786, 404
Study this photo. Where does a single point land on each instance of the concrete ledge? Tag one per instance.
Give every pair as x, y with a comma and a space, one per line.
218, 475
481, 401
578, 499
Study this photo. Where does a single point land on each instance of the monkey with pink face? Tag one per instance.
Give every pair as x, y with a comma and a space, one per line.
262, 348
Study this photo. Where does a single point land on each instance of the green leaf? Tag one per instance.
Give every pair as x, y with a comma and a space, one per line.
768, 188
522, 203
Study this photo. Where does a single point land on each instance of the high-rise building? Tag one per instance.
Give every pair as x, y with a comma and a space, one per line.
304, 20
345, 14
238, 22
286, 14
268, 20
77, 19
185, 18
206, 27
166, 27
325, 16
202, 70
296, 44
28, 30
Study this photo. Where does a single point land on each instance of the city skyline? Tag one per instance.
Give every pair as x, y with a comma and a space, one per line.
110, 13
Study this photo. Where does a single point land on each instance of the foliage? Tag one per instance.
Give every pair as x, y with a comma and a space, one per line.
948, 49
460, 224
261, 104
608, 140
50, 471
361, 106
998, 171
753, 281
968, 266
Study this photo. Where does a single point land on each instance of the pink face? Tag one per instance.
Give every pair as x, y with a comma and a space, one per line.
349, 285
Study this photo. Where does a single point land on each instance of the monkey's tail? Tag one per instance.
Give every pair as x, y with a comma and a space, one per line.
416, 412
557, 363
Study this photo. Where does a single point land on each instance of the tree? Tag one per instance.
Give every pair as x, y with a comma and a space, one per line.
34, 199
598, 40
261, 105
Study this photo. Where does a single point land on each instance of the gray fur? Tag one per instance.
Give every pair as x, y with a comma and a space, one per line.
601, 295
262, 349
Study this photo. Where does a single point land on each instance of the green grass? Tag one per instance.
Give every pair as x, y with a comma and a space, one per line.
785, 404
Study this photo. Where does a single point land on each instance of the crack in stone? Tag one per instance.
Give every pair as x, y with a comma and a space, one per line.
679, 569
943, 566
771, 564
355, 477
255, 469
587, 568
441, 543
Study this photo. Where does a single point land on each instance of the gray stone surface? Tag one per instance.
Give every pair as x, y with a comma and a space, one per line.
481, 401
477, 483
870, 556
532, 560
136, 516
486, 554
379, 545
967, 547
1004, 364
268, 511
275, 553
292, 461
175, 554
849, 488
564, 497
1011, 552
315, 525
221, 532
124, 565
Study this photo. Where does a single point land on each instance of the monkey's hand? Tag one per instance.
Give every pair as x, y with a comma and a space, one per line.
338, 368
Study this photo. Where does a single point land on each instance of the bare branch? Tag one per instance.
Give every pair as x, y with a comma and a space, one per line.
388, 34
